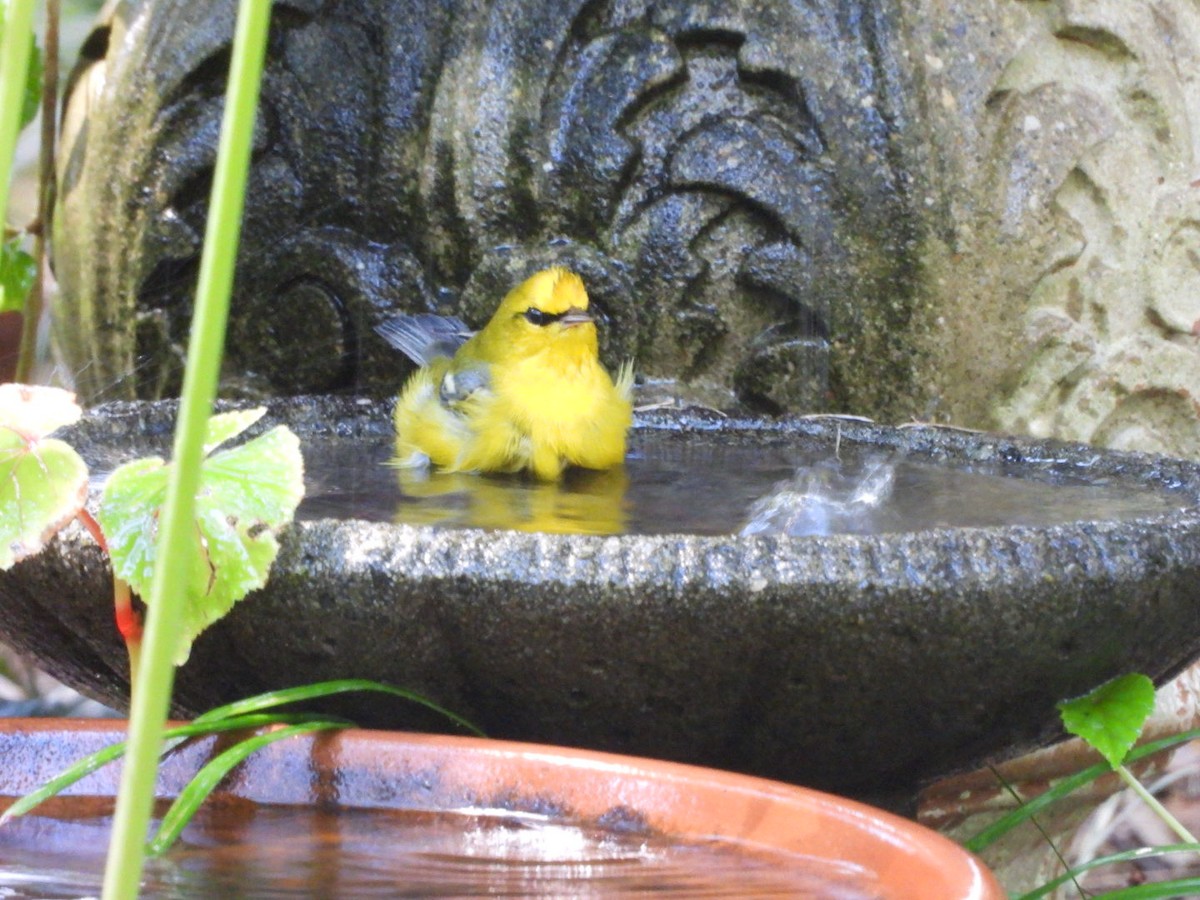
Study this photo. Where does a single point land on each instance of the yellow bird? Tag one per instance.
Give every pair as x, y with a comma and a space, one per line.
527, 392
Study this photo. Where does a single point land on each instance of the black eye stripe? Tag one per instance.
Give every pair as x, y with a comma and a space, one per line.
540, 317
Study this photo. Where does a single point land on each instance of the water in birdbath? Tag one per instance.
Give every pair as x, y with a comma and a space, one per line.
238, 848
703, 484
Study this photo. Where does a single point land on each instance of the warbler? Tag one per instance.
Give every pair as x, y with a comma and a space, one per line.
527, 392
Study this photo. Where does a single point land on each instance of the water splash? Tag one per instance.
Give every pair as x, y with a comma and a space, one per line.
829, 497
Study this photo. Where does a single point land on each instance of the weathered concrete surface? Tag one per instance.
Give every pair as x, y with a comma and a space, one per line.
730, 180
984, 212
848, 662
1064, 271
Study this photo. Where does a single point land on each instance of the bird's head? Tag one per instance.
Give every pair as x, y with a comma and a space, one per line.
548, 311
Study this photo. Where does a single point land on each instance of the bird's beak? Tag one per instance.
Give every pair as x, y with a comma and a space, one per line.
575, 316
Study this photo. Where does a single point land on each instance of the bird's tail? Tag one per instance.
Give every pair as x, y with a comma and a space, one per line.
624, 382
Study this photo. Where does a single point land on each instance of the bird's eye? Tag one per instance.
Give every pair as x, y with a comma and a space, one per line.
535, 316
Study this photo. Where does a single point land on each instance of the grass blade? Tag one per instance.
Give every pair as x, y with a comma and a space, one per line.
1112, 859
1030, 808
242, 714
321, 689
173, 737
207, 779
1180, 888
1006, 823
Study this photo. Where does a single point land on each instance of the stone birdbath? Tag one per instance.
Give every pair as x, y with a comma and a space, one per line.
862, 662
778, 207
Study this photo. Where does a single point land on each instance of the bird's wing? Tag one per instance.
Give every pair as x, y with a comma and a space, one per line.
458, 385
424, 337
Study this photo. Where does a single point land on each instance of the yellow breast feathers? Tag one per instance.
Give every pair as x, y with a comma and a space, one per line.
526, 392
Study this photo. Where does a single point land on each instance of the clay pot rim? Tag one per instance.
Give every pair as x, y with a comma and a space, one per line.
430, 772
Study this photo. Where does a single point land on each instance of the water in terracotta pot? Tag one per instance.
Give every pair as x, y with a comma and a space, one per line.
303, 852
378, 814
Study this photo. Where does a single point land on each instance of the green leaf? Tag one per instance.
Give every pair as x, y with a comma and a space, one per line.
37, 412
227, 426
1111, 717
43, 482
245, 495
302, 693
129, 506
17, 270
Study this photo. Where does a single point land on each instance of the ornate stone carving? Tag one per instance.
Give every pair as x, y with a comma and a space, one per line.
726, 177
1094, 124
987, 210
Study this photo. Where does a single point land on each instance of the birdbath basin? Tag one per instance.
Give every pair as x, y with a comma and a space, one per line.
905, 601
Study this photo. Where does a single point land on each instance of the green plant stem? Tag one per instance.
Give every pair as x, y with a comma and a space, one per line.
177, 537
128, 625
88, 521
14, 67
1161, 811
37, 297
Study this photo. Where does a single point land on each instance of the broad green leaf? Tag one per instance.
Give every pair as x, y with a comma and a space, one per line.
128, 516
246, 494
17, 270
37, 411
43, 482
1111, 717
226, 426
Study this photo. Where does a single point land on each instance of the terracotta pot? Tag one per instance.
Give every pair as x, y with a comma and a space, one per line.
357, 770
